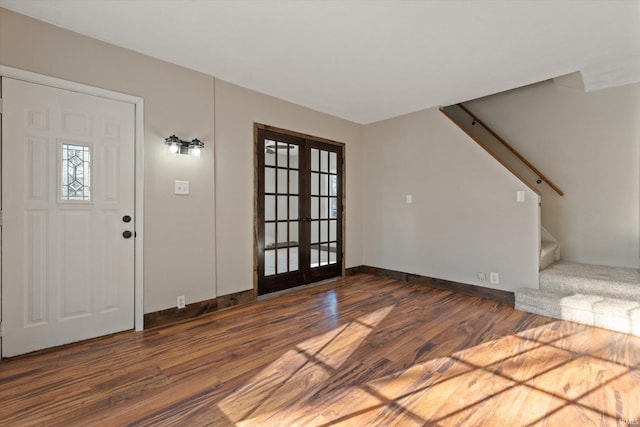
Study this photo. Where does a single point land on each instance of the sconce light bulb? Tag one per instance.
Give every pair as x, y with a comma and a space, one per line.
195, 151
173, 148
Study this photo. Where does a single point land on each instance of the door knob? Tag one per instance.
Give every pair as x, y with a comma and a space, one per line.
127, 234
126, 218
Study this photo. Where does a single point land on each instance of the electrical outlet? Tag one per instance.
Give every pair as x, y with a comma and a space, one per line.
494, 278
482, 277
181, 303
182, 188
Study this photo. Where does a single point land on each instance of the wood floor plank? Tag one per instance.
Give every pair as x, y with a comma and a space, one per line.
363, 351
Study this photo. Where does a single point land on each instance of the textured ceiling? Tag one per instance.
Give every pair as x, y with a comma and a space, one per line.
369, 60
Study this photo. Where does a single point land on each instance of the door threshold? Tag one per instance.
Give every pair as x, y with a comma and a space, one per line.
297, 288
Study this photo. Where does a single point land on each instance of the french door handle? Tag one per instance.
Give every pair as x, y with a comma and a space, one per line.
305, 219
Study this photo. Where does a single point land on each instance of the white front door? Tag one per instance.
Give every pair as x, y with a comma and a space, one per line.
68, 208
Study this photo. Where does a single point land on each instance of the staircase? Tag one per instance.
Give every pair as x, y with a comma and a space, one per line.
606, 297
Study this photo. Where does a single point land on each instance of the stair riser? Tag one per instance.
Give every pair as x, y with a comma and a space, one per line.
600, 288
600, 314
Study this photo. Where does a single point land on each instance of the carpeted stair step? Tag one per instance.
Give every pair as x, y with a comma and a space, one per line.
568, 278
547, 253
594, 310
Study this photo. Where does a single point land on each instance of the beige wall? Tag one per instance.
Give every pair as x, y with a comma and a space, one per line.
180, 232
589, 145
464, 218
237, 109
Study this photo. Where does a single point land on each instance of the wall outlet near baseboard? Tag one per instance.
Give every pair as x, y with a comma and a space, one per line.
482, 277
181, 302
494, 278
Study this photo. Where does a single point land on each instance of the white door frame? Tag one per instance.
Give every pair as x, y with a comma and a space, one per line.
138, 103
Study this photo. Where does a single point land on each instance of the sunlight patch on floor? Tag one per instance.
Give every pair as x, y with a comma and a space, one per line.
300, 370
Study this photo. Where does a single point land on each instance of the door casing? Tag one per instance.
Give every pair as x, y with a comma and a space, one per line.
138, 103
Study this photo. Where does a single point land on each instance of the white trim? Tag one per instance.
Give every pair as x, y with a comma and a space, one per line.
138, 103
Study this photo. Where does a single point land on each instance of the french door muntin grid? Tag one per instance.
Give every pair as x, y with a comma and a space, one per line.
281, 222
299, 201
282, 168
324, 207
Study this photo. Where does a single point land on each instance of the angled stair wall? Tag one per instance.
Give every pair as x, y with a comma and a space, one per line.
484, 136
504, 153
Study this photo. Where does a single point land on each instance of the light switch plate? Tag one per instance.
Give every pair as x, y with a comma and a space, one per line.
519, 196
409, 199
182, 188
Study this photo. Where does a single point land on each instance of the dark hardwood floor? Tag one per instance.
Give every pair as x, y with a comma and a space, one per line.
364, 351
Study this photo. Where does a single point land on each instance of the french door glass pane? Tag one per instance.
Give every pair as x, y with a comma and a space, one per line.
324, 255
294, 154
293, 182
293, 258
324, 161
315, 255
324, 207
314, 231
283, 261
324, 184
293, 207
315, 208
333, 252
282, 232
324, 231
332, 230
283, 209
315, 181
333, 162
269, 235
270, 208
269, 180
293, 232
269, 154
315, 159
283, 181
269, 262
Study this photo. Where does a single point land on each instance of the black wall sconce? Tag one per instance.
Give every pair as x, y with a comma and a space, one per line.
179, 146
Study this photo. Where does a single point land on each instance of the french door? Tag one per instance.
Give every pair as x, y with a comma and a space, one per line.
299, 209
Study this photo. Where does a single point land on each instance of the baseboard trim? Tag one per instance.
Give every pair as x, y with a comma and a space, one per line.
191, 311
352, 271
173, 315
505, 297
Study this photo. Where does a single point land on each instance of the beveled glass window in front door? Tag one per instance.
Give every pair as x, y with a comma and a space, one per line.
75, 174
281, 216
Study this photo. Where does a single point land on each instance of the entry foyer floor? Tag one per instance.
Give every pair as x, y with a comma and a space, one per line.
364, 351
